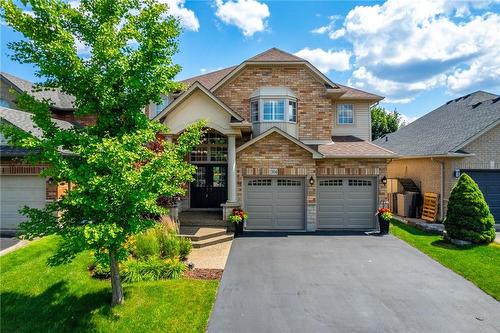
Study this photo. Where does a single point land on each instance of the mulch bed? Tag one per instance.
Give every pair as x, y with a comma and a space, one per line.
204, 274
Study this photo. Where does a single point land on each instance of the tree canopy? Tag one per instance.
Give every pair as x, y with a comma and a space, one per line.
384, 122
122, 165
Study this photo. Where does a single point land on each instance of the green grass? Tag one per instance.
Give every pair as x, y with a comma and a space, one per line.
479, 264
38, 298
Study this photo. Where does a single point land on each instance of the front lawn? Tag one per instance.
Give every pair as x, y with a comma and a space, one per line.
479, 264
38, 298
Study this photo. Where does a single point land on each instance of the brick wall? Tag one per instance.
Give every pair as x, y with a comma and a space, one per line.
275, 151
315, 108
486, 149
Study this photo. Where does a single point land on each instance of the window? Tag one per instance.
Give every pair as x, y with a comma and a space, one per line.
292, 111
358, 182
259, 182
4, 103
289, 182
274, 109
331, 182
212, 149
345, 114
254, 108
165, 101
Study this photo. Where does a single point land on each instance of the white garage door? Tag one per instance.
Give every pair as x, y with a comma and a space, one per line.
346, 203
17, 192
275, 203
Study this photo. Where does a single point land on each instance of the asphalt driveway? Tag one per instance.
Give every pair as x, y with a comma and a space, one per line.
344, 283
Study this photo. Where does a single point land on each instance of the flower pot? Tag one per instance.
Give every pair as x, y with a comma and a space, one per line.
238, 229
383, 225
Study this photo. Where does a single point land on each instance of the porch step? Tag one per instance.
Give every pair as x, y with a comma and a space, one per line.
201, 233
201, 219
213, 240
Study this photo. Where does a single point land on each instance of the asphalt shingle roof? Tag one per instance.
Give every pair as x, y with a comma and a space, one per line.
349, 146
445, 129
60, 99
209, 80
23, 120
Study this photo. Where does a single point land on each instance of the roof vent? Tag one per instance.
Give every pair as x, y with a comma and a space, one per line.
495, 100
476, 105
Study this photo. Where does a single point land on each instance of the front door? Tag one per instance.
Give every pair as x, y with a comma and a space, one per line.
209, 189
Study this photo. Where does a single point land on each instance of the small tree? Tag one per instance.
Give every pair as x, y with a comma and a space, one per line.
384, 122
120, 166
468, 217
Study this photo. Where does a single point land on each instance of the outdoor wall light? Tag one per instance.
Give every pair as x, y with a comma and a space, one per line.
384, 180
311, 181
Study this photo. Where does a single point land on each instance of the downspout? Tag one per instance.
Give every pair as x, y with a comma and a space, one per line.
441, 190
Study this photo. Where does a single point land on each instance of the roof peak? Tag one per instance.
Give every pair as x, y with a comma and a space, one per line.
275, 54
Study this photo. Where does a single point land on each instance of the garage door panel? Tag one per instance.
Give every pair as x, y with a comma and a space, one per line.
17, 192
347, 203
278, 205
489, 183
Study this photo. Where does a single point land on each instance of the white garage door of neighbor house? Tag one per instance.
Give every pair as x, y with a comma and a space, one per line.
346, 203
17, 192
275, 203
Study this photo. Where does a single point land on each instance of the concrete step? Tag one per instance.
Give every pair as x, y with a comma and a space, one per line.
213, 240
201, 233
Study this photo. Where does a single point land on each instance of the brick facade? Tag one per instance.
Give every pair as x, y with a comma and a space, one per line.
277, 152
426, 172
315, 108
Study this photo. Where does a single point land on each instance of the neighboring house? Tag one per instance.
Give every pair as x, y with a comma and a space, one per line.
285, 143
20, 183
462, 135
62, 107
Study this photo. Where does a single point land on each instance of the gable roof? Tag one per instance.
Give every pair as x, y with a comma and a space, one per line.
448, 128
272, 130
274, 54
197, 86
60, 99
214, 79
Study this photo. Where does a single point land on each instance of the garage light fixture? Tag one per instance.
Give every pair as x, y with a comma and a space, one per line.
384, 180
311, 181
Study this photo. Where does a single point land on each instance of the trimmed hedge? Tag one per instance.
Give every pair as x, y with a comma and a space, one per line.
468, 217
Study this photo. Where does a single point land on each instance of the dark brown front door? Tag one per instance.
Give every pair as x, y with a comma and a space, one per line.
209, 189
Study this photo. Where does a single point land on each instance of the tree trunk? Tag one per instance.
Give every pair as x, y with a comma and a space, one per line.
116, 283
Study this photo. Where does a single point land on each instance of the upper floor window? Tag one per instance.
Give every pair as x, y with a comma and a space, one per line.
165, 101
345, 114
4, 103
273, 104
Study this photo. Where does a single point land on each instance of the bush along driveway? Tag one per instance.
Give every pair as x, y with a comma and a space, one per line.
479, 264
38, 298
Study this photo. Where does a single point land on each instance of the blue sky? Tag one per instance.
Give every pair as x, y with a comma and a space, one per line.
418, 54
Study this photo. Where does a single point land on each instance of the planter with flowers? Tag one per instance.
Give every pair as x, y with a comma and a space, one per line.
384, 217
238, 218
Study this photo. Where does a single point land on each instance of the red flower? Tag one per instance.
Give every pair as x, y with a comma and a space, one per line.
384, 210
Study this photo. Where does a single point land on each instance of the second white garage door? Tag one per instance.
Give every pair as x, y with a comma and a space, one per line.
17, 192
275, 203
346, 203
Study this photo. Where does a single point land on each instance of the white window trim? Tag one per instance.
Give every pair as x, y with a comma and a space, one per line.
260, 110
338, 115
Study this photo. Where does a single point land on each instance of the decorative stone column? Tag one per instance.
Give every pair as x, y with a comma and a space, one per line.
231, 169
231, 178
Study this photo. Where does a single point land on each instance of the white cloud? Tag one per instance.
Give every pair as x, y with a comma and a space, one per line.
248, 15
186, 16
416, 45
407, 119
326, 61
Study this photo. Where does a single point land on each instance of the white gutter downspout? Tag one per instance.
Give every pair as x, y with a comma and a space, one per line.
441, 195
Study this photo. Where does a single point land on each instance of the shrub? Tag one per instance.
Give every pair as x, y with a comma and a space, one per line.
146, 245
152, 269
468, 216
185, 248
169, 243
100, 271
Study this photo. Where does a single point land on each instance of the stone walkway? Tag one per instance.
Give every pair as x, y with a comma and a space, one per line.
214, 256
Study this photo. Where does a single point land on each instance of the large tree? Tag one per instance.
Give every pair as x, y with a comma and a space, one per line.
120, 166
384, 122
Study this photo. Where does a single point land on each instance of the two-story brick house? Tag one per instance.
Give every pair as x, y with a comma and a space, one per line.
285, 143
